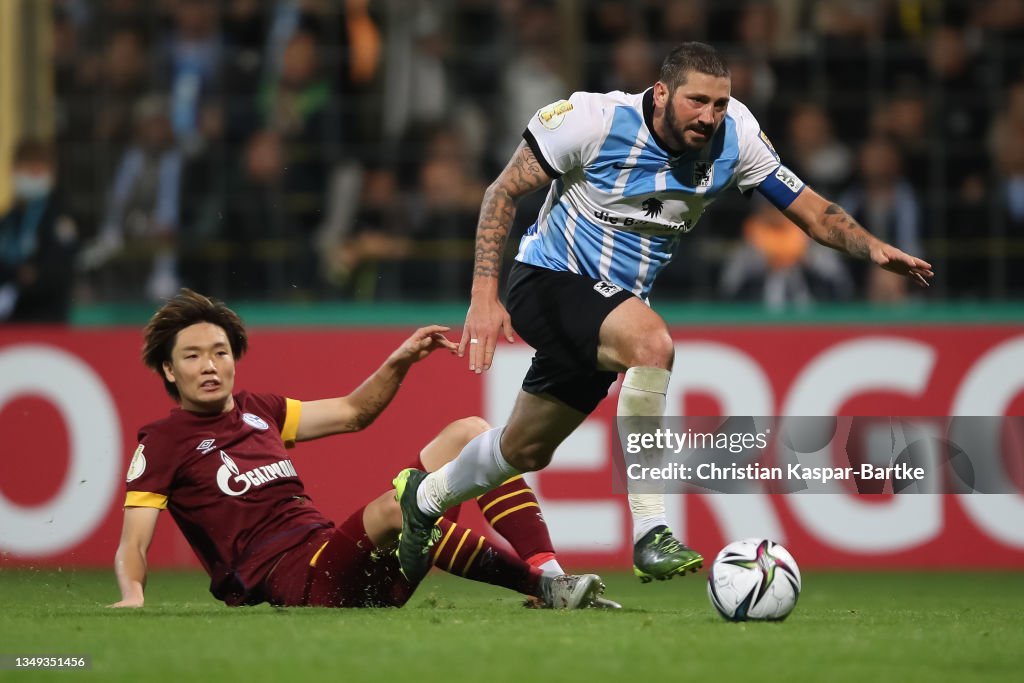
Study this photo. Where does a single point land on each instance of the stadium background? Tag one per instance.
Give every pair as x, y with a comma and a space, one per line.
320, 166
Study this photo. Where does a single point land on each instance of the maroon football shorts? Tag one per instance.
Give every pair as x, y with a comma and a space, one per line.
338, 567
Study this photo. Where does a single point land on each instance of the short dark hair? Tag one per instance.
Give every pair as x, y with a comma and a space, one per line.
692, 56
185, 309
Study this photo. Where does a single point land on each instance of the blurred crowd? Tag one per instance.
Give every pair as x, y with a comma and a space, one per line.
339, 149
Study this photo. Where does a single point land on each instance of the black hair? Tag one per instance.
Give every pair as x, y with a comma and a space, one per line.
692, 56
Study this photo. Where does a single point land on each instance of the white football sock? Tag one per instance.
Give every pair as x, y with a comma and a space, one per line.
648, 512
643, 395
552, 568
479, 468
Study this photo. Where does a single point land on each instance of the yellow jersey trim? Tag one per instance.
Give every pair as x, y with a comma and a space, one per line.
142, 499
292, 414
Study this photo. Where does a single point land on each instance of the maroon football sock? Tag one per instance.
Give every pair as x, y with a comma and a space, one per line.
464, 552
513, 511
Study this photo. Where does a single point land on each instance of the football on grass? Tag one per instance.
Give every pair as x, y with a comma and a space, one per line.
754, 579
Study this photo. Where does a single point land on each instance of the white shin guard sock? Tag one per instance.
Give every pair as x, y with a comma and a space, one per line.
552, 568
648, 510
643, 395
479, 468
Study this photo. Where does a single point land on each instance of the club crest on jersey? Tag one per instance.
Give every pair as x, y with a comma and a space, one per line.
769, 145
255, 421
652, 207
552, 115
234, 482
703, 173
607, 289
138, 464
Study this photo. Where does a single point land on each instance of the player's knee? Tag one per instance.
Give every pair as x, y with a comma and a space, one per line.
468, 428
390, 513
653, 349
451, 441
382, 518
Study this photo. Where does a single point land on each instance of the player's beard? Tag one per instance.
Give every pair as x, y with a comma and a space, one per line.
678, 132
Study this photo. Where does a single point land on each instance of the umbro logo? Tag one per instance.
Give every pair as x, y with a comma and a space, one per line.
206, 445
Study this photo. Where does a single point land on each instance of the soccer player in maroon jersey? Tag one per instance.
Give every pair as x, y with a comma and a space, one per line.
219, 463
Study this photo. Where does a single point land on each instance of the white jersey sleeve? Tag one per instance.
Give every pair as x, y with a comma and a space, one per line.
567, 134
759, 165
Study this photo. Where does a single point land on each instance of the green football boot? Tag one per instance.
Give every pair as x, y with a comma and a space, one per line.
658, 555
419, 532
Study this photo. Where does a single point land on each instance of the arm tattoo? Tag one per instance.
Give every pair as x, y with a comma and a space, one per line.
842, 232
373, 406
496, 214
372, 396
522, 176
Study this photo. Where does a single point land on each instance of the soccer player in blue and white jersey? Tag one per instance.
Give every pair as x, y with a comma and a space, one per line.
630, 176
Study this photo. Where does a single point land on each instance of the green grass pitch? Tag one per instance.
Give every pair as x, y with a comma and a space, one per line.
861, 627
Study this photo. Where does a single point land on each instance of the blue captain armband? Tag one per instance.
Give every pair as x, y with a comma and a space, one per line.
781, 187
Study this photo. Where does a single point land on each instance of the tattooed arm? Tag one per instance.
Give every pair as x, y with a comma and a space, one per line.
522, 176
829, 224
487, 317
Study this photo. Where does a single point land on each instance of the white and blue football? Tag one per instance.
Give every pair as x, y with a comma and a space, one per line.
754, 579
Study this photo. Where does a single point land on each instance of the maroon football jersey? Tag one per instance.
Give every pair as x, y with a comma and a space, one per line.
230, 487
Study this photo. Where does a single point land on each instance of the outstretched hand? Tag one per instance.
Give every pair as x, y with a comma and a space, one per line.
422, 343
485, 320
895, 261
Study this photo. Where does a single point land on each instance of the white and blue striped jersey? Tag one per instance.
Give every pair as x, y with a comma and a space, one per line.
620, 202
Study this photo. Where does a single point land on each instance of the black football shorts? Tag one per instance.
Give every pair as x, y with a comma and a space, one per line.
560, 314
